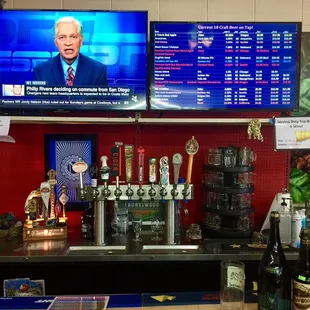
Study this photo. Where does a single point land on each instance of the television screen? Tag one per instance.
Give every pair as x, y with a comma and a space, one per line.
216, 66
68, 60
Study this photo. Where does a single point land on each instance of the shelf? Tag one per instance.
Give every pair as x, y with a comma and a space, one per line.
132, 120
71, 120
230, 212
229, 169
201, 121
230, 190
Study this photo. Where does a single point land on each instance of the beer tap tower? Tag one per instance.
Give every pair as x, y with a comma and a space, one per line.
163, 191
170, 210
100, 206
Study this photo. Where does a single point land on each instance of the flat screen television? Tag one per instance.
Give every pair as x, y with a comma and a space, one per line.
224, 66
73, 60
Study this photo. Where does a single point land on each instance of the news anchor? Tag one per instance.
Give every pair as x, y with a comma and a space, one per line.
70, 67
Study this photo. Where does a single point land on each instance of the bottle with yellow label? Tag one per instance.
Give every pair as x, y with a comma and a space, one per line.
301, 278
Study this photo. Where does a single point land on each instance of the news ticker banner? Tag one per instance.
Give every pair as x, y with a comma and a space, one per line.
65, 95
292, 133
77, 91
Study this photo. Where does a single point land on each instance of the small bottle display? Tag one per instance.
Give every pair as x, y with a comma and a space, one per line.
274, 283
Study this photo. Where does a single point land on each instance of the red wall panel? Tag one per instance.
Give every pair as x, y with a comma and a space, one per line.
22, 168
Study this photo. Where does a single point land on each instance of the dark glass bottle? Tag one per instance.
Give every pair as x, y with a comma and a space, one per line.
301, 278
88, 215
274, 281
88, 222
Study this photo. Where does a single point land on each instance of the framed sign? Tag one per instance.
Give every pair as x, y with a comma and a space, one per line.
147, 211
292, 133
61, 152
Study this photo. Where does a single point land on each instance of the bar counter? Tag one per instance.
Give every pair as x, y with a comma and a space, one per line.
128, 271
76, 249
118, 302
191, 307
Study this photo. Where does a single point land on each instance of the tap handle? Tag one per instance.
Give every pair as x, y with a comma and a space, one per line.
104, 161
80, 167
177, 161
191, 148
128, 162
93, 173
189, 169
152, 170
104, 170
116, 160
140, 165
164, 171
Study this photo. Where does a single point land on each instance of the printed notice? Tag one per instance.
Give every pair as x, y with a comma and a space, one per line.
292, 133
4, 129
4, 125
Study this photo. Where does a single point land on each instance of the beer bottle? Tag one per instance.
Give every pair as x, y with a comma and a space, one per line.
301, 278
274, 281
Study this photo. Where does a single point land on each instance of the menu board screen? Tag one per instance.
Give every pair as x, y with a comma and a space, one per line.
214, 66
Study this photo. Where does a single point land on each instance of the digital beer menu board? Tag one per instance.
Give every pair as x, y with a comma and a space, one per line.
216, 66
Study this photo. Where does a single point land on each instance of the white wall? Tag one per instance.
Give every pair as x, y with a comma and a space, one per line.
191, 10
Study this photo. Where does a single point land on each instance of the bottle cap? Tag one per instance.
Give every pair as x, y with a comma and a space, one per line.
275, 214
305, 232
304, 235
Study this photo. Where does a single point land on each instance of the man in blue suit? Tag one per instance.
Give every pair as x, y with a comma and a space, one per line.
70, 67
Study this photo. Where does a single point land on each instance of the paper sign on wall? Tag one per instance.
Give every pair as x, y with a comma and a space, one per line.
4, 129
292, 133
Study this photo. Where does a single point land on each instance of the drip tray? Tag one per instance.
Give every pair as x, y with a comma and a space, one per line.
96, 250
173, 249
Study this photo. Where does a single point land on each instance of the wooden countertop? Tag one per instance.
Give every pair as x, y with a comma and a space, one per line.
192, 307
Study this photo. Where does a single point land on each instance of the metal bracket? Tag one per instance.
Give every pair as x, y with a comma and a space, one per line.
137, 116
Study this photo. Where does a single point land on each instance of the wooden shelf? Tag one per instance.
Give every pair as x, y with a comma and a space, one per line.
132, 120
71, 120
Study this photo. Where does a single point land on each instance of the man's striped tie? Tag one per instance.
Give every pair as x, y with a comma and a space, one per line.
70, 78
